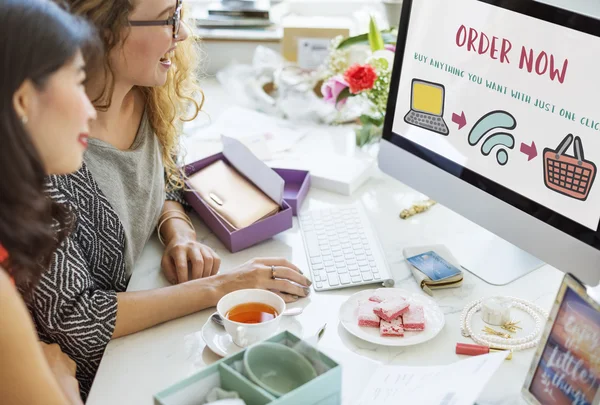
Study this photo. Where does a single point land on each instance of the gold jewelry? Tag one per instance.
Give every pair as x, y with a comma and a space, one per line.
417, 209
169, 211
175, 216
511, 326
490, 331
273, 272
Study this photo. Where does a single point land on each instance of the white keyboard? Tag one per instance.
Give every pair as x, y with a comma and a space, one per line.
342, 249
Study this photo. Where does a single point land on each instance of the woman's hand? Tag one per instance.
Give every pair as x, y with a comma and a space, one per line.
187, 259
274, 274
64, 370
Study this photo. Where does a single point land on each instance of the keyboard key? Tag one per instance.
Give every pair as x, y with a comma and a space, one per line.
319, 285
354, 273
316, 278
340, 265
363, 262
372, 263
352, 267
365, 269
316, 260
344, 279
331, 269
312, 244
356, 279
333, 279
360, 257
367, 276
342, 270
376, 276
340, 260
327, 258
318, 266
322, 275
337, 253
329, 263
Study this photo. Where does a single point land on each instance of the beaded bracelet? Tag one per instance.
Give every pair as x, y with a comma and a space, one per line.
515, 344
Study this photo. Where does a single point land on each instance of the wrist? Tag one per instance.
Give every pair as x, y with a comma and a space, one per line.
177, 229
182, 233
212, 289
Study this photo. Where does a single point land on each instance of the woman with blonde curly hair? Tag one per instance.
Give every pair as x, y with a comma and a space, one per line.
128, 186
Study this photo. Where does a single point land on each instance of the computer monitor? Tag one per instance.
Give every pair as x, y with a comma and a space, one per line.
493, 112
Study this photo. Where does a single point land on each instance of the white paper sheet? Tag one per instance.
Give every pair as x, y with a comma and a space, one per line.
256, 171
460, 383
246, 125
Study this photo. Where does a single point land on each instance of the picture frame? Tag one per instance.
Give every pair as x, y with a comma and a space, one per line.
566, 366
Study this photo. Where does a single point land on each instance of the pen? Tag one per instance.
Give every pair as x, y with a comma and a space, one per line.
475, 350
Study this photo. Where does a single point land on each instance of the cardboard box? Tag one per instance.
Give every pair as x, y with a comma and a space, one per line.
312, 34
323, 390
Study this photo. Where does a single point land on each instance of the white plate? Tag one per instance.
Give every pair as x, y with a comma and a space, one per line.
220, 342
434, 318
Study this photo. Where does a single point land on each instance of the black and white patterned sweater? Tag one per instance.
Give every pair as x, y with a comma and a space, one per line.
75, 303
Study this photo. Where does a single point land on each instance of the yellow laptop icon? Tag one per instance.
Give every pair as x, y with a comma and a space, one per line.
427, 106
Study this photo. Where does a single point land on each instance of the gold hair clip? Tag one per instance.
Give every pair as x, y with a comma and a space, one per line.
511, 326
491, 331
417, 209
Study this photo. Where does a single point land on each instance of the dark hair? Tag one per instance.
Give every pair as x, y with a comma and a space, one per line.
37, 38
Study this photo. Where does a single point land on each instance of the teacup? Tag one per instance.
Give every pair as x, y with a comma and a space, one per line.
246, 334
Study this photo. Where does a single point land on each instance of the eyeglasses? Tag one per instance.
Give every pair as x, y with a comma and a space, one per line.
174, 20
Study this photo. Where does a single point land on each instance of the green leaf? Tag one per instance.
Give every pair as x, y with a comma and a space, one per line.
368, 133
344, 94
388, 36
375, 39
368, 120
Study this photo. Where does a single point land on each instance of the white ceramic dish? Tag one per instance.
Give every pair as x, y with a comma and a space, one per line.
220, 342
434, 318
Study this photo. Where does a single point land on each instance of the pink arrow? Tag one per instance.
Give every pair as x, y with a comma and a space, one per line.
530, 151
461, 120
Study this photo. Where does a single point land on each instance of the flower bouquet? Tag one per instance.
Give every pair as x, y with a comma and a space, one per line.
367, 78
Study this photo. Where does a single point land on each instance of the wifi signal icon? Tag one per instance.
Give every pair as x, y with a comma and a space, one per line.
491, 121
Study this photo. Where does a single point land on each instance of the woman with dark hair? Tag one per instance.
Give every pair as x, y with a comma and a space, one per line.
44, 121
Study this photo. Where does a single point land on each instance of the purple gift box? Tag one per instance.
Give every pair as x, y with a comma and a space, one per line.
296, 187
297, 183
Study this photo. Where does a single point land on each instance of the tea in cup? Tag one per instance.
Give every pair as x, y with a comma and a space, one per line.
250, 316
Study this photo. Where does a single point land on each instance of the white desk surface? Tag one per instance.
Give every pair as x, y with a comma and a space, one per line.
136, 367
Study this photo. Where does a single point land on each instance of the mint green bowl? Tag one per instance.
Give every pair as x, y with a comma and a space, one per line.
277, 368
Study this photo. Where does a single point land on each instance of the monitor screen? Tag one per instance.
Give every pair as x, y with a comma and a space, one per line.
503, 95
427, 97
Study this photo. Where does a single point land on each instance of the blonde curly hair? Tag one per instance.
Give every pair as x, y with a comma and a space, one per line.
167, 106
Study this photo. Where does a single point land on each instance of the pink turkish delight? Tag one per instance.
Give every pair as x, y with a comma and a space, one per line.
393, 328
414, 319
376, 298
366, 316
392, 309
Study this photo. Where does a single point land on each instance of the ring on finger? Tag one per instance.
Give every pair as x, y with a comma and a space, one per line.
273, 272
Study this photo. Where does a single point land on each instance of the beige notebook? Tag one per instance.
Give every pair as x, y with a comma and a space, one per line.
232, 197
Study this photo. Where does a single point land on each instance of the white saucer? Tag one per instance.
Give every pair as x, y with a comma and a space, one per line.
220, 342
434, 318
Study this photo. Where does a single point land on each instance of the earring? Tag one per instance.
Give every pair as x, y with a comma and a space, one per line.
24, 119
